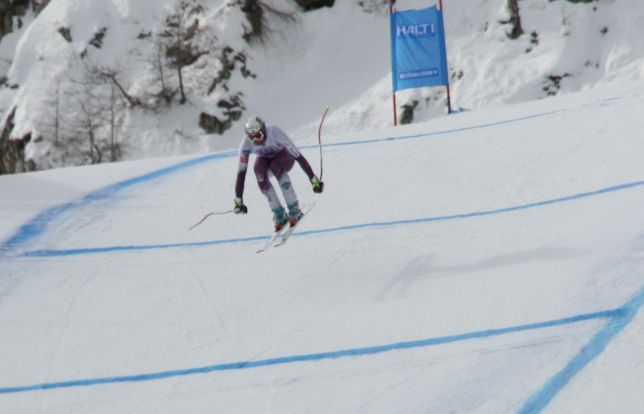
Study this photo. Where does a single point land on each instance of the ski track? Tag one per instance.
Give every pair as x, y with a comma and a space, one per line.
462, 216
616, 319
39, 224
614, 316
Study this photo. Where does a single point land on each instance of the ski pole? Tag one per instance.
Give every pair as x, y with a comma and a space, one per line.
212, 213
320, 140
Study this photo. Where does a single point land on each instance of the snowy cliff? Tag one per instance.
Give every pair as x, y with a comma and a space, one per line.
89, 81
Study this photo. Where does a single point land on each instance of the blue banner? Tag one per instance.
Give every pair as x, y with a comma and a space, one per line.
418, 56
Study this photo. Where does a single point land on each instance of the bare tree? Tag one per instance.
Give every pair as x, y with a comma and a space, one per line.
100, 74
113, 125
180, 39
55, 124
56, 119
166, 91
98, 123
95, 101
161, 86
89, 124
514, 20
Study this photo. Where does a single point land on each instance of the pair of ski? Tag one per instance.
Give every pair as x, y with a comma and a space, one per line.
281, 236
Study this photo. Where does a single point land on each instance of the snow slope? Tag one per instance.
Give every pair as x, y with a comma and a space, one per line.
485, 262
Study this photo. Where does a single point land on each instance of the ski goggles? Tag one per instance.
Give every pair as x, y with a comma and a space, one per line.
255, 136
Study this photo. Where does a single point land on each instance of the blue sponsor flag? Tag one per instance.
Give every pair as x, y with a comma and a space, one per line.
418, 56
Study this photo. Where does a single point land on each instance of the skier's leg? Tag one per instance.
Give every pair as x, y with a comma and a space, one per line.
280, 166
261, 169
294, 212
287, 189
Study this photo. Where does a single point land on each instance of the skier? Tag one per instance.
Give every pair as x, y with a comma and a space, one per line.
276, 155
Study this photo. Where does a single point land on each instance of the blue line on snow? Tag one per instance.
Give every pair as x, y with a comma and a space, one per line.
354, 352
443, 132
108, 249
38, 225
539, 400
536, 403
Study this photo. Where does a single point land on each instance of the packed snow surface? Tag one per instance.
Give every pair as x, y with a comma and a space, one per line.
484, 262
488, 261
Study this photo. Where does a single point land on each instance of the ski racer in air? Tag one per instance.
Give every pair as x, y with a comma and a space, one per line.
276, 154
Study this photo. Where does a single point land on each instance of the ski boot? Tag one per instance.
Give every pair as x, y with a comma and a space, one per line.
294, 213
279, 218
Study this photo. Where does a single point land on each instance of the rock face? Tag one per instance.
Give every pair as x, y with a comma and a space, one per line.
16, 8
7, 11
97, 98
9, 150
12, 151
314, 4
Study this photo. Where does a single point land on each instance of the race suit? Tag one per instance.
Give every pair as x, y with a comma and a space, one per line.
277, 156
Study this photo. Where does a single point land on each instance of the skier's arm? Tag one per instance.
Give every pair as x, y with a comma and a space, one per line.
244, 155
318, 186
306, 167
241, 173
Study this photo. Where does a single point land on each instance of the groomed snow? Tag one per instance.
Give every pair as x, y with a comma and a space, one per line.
488, 261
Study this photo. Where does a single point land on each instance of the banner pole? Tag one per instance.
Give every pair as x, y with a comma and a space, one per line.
391, 12
449, 99
395, 114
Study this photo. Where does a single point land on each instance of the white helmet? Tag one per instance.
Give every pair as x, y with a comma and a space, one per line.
254, 125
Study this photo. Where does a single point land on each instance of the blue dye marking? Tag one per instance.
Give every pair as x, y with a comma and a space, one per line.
70, 252
443, 132
619, 317
616, 324
38, 225
354, 352
111, 249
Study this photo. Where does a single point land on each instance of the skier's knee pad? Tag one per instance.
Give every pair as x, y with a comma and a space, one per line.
263, 182
286, 185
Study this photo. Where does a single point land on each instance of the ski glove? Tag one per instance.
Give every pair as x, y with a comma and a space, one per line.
240, 207
318, 186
